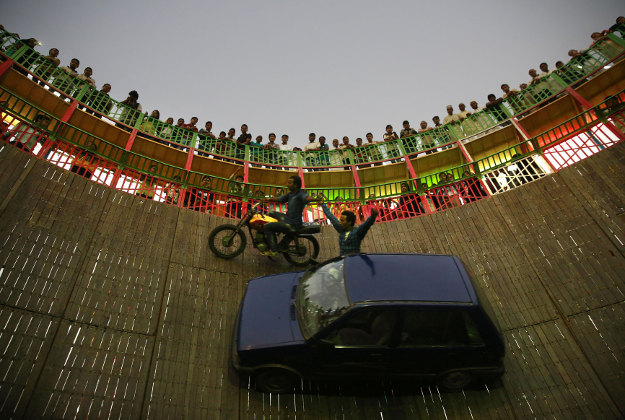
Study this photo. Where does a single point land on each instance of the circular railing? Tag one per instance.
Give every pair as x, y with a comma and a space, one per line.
435, 189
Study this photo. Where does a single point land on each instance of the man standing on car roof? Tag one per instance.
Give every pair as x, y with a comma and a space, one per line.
296, 200
350, 236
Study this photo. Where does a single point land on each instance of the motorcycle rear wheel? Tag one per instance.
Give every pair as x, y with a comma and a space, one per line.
301, 251
226, 241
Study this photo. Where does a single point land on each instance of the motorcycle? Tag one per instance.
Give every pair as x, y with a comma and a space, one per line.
300, 248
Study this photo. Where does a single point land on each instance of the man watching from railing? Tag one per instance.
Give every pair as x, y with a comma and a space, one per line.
65, 77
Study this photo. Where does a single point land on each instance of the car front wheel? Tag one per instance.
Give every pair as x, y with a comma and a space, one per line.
455, 381
276, 381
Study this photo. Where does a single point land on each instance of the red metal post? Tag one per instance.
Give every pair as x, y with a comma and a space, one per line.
300, 172
465, 153
4, 67
520, 128
189, 161
116, 177
578, 98
411, 171
246, 171
129, 143
61, 128
524, 134
588, 106
69, 111
131, 139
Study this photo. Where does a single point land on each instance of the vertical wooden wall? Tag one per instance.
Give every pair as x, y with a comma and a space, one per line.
111, 305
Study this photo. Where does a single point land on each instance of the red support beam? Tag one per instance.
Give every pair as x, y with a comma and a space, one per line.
246, 171
116, 176
300, 172
578, 98
411, 171
189, 161
69, 111
4, 67
465, 153
524, 134
131, 139
356, 177
588, 106
66, 116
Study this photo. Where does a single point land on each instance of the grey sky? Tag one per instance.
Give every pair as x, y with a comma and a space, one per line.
332, 67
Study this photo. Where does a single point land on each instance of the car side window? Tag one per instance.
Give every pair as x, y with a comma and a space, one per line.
439, 328
366, 328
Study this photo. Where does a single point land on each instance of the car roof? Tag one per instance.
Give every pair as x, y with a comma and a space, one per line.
407, 277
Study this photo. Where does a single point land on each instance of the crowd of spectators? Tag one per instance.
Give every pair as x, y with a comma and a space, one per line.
441, 192
539, 90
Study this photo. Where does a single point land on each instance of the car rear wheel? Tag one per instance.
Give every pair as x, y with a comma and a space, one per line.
276, 381
455, 381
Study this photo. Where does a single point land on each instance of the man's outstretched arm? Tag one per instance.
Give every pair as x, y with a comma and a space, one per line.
362, 230
331, 217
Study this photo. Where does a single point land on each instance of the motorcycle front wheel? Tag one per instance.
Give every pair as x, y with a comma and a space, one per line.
302, 250
226, 241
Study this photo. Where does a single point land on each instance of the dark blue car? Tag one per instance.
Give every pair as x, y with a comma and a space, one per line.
368, 315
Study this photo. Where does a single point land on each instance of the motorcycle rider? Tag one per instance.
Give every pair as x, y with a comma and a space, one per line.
296, 200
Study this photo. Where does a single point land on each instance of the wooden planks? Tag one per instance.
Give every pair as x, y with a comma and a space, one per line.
600, 335
25, 340
113, 305
92, 372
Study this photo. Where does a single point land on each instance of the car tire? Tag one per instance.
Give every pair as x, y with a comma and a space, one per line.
455, 381
277, 381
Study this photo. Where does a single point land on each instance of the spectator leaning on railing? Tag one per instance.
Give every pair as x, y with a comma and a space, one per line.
619, 27
131, 110
463, 111
494, 105
188, 130
515, 101
65, 77
427, 140
205, 135
389, 137
28, 58
373, 150
407, 134
451, 122
86, 78
311, 148
45, 66
150, 124
100, 101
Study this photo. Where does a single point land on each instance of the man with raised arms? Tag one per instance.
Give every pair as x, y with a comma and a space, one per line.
350, 236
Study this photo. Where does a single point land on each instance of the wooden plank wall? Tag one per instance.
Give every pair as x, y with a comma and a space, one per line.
111, 305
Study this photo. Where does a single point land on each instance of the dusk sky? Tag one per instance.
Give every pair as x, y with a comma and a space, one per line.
334, 68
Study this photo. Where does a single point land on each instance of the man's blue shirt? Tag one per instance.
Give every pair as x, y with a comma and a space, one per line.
349, 242
296, 202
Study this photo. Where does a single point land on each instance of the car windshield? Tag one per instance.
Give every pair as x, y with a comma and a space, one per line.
321, 297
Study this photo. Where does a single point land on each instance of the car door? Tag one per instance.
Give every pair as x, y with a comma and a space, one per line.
433, 340
359, 345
